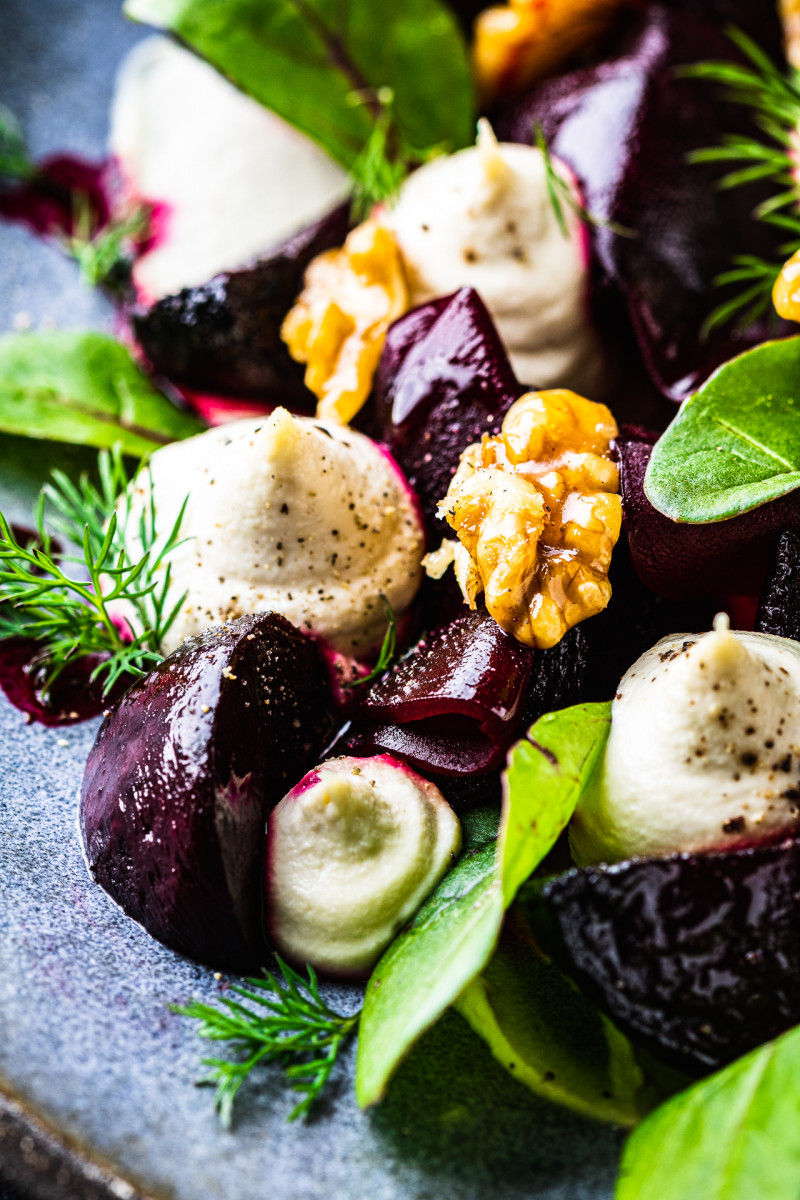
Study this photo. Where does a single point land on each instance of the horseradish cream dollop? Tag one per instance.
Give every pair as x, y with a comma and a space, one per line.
230, 179
483, 218
291, 515
703, 753
352, 852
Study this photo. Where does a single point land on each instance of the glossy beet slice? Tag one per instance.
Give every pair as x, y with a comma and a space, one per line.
444, 380
696, 956
626, 128
680, 560
224, 336
183, 773
452, 705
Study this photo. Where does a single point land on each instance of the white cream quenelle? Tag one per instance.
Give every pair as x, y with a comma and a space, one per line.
703, 753
352, 852
483, 218
230, 179
291, 515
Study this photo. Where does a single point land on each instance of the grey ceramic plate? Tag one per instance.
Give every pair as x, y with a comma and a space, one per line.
97, 1095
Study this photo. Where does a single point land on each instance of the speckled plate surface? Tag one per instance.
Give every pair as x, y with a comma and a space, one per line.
97, 1095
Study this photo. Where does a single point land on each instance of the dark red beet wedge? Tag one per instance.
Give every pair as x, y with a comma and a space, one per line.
72, 697
224, 336
626, 128
183, 773
696, 956
680, 560
451, 706
444, 380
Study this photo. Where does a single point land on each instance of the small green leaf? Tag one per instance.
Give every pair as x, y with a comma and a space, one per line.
449, 942
84, 388
735, 444
321, 64
734, 1136
453, 936
548, 1035
547, 772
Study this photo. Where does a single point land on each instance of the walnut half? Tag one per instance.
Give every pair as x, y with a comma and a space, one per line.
536, 509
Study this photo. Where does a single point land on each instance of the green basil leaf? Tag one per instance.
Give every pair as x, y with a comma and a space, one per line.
453, 936
734, 1136
84, 388
548, 1035
735, 444
314, 62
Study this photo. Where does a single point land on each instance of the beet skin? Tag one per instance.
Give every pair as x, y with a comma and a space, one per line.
183, 774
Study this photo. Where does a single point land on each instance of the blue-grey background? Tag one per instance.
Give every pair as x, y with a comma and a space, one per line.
85, 1033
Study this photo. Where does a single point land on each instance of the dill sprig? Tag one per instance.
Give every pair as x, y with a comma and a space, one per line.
387, 653
774, 99
71, 613
99, 252
290, 1025
560, 193
386, 157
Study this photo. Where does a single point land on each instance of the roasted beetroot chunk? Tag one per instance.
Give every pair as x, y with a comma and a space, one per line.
183, 773
679, 560
696, 956
444, 380
626, 128
224, 336
451, 706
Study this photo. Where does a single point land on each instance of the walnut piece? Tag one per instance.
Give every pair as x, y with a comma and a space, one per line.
786, 292
537, 511
338, 323
524, 40
790, 16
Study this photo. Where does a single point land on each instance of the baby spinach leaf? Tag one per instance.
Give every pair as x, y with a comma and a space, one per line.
452, 937
735, 444
449, 941
547, 772
321, 64
84, 388
734, 1136
548, 1035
